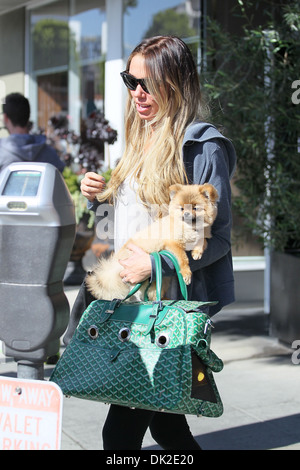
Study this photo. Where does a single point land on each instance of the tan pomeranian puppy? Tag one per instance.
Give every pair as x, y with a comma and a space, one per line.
187, 226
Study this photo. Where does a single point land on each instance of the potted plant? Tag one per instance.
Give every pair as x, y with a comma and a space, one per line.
251, 74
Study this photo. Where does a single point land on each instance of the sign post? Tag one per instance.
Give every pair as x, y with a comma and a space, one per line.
30, 415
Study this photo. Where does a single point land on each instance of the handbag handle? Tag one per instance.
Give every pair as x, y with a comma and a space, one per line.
157, 260
174, 260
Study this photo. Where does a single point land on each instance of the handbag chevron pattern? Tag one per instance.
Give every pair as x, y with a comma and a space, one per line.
150, 355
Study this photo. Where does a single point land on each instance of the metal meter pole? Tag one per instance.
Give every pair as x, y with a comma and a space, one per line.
30, 370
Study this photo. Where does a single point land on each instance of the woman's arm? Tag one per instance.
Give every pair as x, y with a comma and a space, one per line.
137, 267
91, 185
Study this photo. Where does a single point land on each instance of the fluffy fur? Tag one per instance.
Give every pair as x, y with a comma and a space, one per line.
192, 211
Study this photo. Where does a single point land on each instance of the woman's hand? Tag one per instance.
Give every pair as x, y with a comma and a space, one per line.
137, 267
91, 185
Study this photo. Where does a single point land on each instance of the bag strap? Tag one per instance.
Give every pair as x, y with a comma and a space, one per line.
158, 278
174, 260
157, 260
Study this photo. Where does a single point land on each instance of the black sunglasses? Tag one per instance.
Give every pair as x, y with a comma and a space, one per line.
131, 82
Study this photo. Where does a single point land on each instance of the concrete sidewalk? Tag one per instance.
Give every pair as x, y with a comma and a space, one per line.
259, 386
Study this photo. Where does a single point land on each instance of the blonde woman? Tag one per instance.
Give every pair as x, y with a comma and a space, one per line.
167, 141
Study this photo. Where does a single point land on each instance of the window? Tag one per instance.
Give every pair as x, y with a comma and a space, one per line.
67, 60
50, 60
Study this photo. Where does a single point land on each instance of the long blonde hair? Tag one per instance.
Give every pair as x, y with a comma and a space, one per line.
153, 150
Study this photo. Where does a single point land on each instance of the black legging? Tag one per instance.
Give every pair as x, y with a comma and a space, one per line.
124, 429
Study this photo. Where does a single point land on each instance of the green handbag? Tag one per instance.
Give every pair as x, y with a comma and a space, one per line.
149, 355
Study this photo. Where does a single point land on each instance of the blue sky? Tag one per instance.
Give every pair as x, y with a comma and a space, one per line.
141, 18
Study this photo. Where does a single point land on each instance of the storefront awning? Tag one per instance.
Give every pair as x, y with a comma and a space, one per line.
8, 5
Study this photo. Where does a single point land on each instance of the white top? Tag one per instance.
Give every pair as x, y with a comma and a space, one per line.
130, 214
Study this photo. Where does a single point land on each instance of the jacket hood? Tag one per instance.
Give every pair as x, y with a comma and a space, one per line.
203, 132
25, 146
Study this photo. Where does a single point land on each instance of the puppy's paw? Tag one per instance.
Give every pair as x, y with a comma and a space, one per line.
197, 253
187, 276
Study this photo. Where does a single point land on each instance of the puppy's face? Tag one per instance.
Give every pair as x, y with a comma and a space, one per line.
193, 202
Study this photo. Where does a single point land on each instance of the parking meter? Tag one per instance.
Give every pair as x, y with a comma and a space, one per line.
37, 231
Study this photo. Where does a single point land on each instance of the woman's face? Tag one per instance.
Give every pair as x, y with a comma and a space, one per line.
146, 105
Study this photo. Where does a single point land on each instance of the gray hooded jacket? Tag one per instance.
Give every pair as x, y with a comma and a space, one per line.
27, 148
209, 157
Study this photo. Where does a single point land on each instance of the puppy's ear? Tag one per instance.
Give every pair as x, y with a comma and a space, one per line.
174, 189
209, 191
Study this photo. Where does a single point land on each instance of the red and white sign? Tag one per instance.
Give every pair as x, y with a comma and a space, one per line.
30, 415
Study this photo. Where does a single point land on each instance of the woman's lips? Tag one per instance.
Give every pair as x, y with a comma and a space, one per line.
142, 107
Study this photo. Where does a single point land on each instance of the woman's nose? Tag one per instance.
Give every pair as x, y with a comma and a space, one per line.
139, 91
